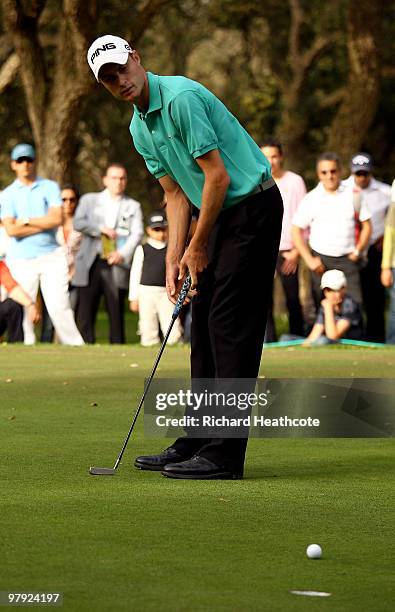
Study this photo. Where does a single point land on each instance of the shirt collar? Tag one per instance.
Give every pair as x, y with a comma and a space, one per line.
373, 184
342, 187
19, 184
157, 244
155, 96
111, 198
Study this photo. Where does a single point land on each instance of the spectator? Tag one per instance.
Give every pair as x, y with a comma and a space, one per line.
388, 265
12, 298
112, 226
293, 190
329, 212
377, 196
147, 289
31, 212
70, 239
339, 315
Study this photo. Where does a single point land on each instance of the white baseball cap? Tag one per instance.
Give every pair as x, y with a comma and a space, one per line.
333, 279
107, 50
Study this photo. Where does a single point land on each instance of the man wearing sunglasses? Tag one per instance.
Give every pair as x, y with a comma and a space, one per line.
377, 195
329, 213
31, 213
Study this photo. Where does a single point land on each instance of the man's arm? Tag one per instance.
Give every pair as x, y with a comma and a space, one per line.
49, 221
216, 183
136, 233
178, 214
313, 263
363, 241
18, 228
21, 297
82, 218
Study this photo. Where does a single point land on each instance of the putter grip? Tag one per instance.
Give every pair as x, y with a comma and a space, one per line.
182, 295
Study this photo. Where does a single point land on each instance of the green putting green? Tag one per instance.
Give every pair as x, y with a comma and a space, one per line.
137, 541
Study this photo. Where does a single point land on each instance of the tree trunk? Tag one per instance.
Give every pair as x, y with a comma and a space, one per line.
301, 58
359, 104
54, 93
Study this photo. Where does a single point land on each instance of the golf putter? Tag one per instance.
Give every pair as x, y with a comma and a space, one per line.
100, 471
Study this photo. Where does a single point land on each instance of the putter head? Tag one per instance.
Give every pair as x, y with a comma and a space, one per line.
98, 471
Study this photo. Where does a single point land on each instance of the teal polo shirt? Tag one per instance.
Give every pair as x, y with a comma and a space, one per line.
18, 201
183, 122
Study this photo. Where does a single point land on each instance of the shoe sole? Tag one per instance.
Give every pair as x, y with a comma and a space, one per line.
149, 468
154, 468
219, 476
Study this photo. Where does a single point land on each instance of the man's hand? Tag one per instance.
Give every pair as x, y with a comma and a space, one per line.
387, 278
134, 306
195, 260
109, 232
325, 303
353, 257
33, 313
316, 265
172, 283
290, 263
115, 258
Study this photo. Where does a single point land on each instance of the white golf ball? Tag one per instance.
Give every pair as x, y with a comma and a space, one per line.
314, 551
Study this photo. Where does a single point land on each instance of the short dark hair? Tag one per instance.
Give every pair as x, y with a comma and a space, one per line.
329, 156
73, 188
272, 142
115, 165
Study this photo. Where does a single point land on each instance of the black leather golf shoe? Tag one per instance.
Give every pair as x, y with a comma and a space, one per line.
158, 462
200, 468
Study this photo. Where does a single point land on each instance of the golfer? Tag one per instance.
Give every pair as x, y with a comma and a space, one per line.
203, 157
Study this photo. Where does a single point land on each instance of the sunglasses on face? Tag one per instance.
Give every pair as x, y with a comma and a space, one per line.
158, 229
69, 199
362, 173
28, 160
324, 172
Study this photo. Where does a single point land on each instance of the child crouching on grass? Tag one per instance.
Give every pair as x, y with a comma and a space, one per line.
339, 316
147, 285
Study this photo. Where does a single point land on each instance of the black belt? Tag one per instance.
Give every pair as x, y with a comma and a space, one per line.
263, 186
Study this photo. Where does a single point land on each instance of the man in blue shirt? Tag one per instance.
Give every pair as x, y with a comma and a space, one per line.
202, 156
31, 212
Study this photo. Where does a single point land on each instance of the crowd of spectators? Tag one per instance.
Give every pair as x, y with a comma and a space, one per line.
72, 251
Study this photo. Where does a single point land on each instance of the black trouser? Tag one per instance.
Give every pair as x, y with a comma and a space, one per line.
351, 272
229, 312
11, 319
373, 294
101, 283
290, 283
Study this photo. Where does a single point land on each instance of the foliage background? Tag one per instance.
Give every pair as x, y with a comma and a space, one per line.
314, 74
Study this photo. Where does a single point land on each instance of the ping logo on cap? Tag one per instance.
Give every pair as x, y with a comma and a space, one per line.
360, 160
97, 51
107, 47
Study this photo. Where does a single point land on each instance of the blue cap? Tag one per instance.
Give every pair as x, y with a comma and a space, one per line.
23, 150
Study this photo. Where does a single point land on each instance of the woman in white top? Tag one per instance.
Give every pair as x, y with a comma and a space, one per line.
70, 239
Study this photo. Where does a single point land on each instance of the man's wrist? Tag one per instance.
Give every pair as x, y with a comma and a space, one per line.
356, 252
25, 220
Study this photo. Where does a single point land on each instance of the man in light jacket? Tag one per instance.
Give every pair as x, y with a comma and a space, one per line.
112, 226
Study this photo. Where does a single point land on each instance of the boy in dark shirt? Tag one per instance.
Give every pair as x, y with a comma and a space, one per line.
147, 287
